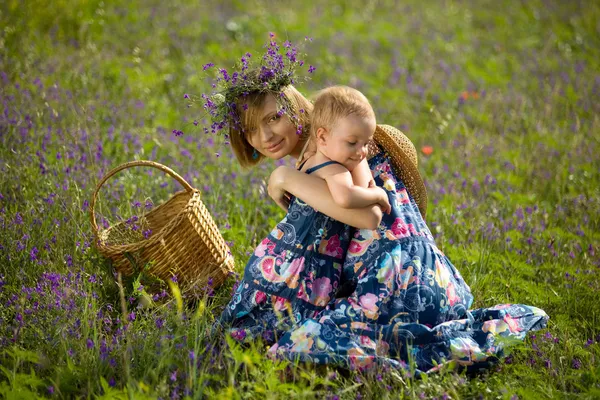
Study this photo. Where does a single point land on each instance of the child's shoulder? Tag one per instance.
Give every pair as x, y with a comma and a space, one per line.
322, 167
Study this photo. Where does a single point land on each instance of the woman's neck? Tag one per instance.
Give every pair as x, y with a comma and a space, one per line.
299, 148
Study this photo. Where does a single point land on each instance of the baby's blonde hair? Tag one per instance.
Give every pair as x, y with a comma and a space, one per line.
336, 102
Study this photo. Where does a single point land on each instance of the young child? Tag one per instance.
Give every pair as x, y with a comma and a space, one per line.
342, 125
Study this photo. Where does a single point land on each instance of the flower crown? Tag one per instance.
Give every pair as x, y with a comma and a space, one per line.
276, 70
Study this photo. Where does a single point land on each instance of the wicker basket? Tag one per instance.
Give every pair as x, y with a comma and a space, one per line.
184, 240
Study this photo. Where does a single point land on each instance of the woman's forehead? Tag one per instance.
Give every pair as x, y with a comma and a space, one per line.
269, 104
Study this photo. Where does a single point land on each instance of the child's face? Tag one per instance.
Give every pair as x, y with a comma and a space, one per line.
347, 141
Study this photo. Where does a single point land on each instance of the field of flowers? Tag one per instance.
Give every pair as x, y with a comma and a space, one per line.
500, 98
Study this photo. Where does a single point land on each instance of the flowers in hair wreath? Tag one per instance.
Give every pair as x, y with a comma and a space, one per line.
275, 70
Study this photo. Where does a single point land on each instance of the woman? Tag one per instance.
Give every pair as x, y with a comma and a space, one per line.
407, 301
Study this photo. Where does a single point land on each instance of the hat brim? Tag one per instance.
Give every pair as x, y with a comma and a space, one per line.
404, 162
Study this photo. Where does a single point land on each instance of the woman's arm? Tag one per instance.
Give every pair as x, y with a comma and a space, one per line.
314, 192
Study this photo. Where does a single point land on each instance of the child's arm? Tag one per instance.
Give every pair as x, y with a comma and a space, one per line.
347, 194
314, 192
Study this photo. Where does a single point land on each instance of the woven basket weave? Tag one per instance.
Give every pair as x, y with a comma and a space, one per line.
184, 241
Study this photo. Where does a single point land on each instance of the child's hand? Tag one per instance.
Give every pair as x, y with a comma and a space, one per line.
382, 199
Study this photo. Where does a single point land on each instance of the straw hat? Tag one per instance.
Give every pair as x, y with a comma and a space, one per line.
404, 160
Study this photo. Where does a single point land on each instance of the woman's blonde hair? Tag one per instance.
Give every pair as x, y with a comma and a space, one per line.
337, 102
250, 110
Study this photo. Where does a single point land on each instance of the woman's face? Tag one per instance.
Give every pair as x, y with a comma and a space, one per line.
275, 136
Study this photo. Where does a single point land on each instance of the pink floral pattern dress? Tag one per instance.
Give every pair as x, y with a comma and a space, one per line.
291, 276
408, 302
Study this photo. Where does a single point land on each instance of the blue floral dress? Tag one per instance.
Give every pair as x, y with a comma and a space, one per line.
410, 303
291, 276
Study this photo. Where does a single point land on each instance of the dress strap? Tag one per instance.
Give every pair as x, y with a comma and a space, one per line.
302, 165
316, 167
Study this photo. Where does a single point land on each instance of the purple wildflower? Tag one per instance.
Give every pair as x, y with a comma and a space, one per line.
18, 219
238, 334
33, 254
311, 69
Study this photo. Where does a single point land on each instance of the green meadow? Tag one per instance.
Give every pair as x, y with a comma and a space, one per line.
501, 99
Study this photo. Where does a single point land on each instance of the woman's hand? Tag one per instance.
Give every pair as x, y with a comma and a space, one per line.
275, 187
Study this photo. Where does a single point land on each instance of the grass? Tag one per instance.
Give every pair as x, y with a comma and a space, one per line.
505, 93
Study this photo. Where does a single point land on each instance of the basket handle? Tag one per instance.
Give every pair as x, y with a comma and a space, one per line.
138, 163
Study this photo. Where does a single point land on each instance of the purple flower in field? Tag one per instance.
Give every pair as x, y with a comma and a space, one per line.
238, 334
18, 219
185, 96
90, 344
173, 376
192, 355
112, 382
311, 69
147, 233
50, 390
159, 322
132, 316
33, 254
589, 343
207, 66
576, 363
177, 132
